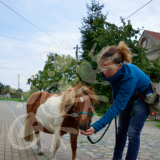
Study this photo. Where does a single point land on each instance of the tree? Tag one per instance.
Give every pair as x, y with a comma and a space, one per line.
15, 93
95, 20
5, 89
88, 71
96, 34
1, 87
57, 75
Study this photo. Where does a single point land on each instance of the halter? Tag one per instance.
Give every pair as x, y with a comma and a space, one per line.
77, 114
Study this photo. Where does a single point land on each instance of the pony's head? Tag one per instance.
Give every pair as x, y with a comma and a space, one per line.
79, 101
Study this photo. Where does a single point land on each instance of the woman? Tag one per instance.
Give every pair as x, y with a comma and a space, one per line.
126, 80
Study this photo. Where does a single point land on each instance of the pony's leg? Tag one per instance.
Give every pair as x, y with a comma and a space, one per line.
73, 139
56, 145
55, 141
39, 143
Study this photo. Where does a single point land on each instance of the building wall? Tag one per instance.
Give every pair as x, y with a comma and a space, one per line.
151, 52
150, 40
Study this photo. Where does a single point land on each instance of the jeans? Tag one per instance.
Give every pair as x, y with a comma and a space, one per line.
131, 126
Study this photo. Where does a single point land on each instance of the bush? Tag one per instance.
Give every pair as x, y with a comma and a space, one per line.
26, 95
103, 109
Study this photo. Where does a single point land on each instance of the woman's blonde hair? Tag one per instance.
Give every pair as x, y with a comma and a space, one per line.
116, 54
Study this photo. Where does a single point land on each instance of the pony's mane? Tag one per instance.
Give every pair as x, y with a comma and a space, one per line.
76, 91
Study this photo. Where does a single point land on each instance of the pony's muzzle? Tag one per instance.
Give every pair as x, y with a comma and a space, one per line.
84, 126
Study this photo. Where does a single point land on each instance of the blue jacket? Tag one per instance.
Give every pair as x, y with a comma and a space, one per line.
127, 82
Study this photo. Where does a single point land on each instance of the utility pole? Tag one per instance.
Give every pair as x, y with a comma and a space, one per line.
4, 91
18, 85
76, 56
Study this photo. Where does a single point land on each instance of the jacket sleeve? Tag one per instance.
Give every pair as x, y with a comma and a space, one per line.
126, 90
113, 95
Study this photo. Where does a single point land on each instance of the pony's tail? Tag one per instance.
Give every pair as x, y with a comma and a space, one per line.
28, 130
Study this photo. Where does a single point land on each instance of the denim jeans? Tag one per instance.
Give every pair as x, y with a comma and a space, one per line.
131, 126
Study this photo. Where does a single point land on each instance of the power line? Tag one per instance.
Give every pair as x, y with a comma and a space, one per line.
23, 40
30, 22
27, 41
136, 11
128, 16
24, 56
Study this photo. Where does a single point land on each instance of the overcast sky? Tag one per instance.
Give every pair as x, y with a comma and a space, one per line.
60, 19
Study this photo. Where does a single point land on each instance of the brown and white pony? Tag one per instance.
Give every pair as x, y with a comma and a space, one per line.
58, 114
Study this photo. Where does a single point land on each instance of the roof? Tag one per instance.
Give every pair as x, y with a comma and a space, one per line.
155, 35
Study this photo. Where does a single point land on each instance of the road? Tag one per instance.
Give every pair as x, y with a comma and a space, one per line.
13, 147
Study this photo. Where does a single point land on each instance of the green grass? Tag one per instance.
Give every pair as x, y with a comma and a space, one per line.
100, 114
158, 125
155, 120
12, 99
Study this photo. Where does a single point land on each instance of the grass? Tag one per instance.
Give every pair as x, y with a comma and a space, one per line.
158, 125
100, 114
12, 99
155, 120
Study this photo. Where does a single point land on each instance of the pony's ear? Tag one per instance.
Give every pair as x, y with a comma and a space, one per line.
91, 87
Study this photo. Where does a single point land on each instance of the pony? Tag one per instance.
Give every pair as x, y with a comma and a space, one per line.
58, 114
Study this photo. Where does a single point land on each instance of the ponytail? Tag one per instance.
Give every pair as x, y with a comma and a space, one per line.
124, 51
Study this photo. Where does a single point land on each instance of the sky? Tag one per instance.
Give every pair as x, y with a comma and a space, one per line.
60, 20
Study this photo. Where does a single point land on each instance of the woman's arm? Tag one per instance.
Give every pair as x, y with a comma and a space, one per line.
126, 90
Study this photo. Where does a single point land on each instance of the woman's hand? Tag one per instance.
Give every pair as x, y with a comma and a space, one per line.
89, 131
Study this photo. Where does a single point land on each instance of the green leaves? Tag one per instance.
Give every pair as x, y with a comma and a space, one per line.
58, 72
96, 30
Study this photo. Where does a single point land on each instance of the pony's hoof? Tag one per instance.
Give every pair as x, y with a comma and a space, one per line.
40, 152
